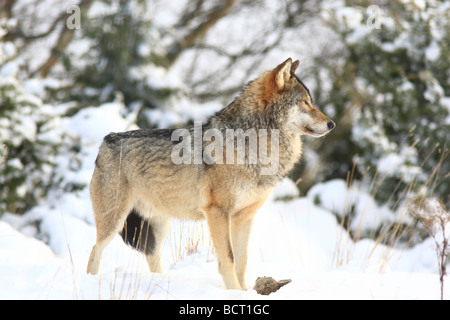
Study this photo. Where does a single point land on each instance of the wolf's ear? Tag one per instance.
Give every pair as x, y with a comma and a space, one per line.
283, 73
294, 66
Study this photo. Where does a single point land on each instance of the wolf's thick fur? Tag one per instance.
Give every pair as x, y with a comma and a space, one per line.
136, 188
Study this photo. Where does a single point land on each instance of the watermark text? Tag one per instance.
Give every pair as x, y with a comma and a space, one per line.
242, 147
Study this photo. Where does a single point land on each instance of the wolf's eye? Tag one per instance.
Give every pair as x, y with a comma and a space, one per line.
306, 102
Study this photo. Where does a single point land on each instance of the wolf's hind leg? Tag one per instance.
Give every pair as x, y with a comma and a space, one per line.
146, 233
104, 237
160, 226
110, 214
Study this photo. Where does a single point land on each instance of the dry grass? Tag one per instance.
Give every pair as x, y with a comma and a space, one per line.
435, 218
401, 230
186, 237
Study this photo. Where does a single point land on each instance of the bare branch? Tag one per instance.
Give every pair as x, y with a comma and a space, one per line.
18, 32
43, 34
190, 13
200, 31
6, 8
63, 41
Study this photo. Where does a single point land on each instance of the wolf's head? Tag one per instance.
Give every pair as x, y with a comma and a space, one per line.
281, 92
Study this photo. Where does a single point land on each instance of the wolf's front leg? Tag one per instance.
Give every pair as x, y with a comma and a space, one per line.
241, 226
240, 230
219, 226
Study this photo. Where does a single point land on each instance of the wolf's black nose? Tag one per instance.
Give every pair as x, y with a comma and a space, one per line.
331, 125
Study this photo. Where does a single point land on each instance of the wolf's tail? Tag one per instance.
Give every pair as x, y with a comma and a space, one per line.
138, 233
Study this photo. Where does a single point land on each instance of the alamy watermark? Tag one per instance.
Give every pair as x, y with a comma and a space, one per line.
74, 20
374, 19
250, 147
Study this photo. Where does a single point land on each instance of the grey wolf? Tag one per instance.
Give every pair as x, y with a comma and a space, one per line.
137, 188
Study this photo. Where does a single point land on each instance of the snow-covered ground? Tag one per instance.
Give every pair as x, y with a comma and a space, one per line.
44, 253
290, 240
293, 239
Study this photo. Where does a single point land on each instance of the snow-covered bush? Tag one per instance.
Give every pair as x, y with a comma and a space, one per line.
30, 137
27, 160
390, 91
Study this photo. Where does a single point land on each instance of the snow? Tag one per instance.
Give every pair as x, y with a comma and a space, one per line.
291, 240
294, 239
44, 253
433, 52
397, 164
